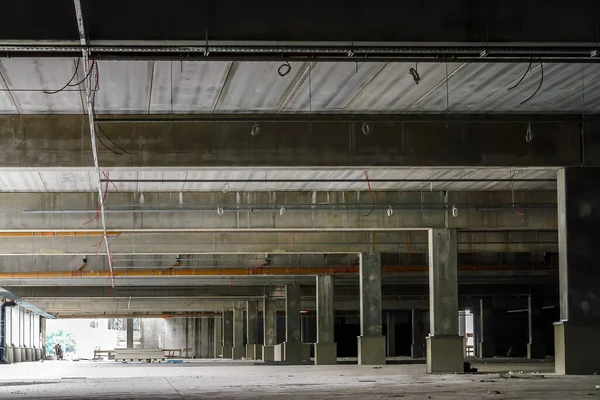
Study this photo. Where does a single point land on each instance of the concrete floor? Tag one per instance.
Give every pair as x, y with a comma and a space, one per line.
243, 380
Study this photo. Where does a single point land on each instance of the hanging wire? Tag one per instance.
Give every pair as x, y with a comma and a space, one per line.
70, 80
365, 128
529, 134
414, 72
524, 75
539, 86
284, 69
372, 194
94, 65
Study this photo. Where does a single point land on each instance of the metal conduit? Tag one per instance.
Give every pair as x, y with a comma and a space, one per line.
339, 270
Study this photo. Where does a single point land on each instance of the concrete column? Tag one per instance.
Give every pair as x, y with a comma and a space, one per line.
239, 351
371, 343
253, 349
218, 337
391, 333
269, 329
576, 335
445, 347
418, 337
203, 337
487, 347
227, 350
536, 347
476, 332
325, 347
129, 333
293, 352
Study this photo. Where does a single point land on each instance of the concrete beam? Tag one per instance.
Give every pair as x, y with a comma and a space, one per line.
331, 210
272, 243
35, 140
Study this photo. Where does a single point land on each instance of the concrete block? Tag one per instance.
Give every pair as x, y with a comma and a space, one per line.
268, 353
445, 354
17, 354
325, 353
38, 354
28, 354
574, 348
227, 352
23, 354
371, 350
278, 352
10, 354
253, 352
296, 352
139, 354
238, 353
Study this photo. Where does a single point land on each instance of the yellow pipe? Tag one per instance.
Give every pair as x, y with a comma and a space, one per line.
341, 270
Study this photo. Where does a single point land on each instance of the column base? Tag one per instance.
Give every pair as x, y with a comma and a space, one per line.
17, 354
536, 350
295, 352
238, 353
24, 354
371, 350
268, 353
10, 354
253, 352
574, 344
28, 354
278, 352
325, 353
445, 354
227, 352
417, 351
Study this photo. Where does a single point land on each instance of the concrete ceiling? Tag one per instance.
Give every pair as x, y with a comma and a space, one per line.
401, 179
203, 87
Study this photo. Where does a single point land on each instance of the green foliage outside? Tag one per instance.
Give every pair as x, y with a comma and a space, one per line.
66, 340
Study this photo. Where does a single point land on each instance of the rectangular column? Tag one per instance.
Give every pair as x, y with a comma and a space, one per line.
293, 352
576, 335
418, 337
129, 333
445, 347
269, 329
253, 349
536, 347
227, 334
391, 333
371, 342
325, 347
487, 345
239, 350
218, 337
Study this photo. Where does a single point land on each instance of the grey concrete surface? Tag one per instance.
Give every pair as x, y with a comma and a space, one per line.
242, 380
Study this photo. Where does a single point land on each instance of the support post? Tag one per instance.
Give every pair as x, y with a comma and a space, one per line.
218, 337
239, 351
445, 347
391, 333
293, 351
577, 333
536, 347
325, 347
253, 349
487, 346
227, 334
418, 337
129, 333
269, 329
371, 342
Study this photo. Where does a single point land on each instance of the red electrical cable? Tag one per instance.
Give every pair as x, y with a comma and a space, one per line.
372, 195
515, 207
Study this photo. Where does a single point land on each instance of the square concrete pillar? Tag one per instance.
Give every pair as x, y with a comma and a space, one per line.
536, 347
325, 353
292, 313
227, 352
325, 348
445, 354
487, 345
268, 353
295, 352
239, 351
576, 336
418, 337
254, 352
445, 348
218, 341
227, 330
129, 327
370, 340
252, 322
371, 350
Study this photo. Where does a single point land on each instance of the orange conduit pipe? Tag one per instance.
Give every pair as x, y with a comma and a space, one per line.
136, 273
54, 233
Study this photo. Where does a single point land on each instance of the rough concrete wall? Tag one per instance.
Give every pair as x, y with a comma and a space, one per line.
152, 333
